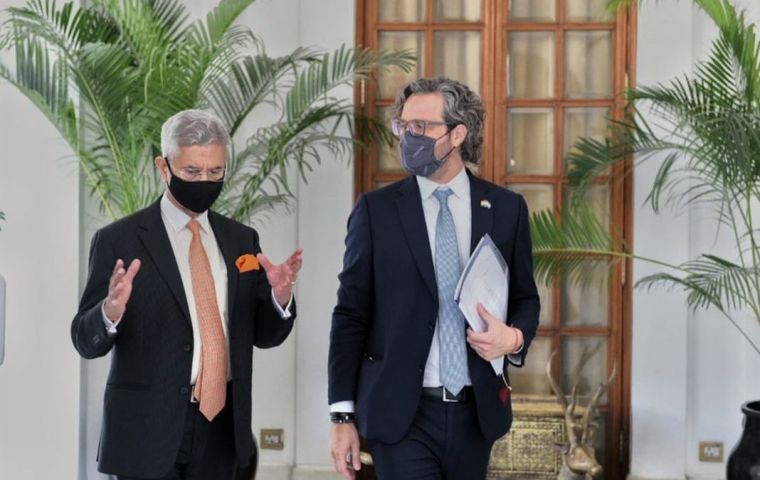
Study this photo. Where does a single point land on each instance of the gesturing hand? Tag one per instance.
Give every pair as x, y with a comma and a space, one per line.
119, 289
282, 277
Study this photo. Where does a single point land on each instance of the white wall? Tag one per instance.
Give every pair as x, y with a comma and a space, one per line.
324, 205
39, 381
658, 377
723, 371
691, 371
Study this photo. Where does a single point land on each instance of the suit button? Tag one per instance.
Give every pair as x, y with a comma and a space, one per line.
187, 347
421, 370
184, 391
431, 325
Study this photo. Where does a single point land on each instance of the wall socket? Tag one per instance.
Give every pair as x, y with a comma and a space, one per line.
711, 452
272, 439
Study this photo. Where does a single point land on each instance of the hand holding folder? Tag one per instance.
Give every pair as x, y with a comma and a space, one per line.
485, 281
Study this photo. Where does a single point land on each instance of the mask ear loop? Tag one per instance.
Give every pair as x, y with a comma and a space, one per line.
443, 159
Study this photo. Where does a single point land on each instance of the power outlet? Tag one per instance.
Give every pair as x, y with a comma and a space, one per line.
711, 452
272, 439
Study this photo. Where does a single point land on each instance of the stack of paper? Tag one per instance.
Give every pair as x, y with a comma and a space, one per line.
485, 280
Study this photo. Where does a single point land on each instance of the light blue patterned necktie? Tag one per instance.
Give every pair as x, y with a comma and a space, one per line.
450, 318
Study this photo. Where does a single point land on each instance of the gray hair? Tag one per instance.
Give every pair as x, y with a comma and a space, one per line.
192, 127
460, 106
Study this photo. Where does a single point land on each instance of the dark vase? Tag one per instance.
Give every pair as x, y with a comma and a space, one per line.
744, 461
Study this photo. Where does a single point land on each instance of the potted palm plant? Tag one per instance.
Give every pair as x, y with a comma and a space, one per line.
108, 74
704, 130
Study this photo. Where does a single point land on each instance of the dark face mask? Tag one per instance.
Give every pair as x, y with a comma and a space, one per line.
418, 154
194, 196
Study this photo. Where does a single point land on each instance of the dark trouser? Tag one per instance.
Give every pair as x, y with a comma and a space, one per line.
207, 451
444, 442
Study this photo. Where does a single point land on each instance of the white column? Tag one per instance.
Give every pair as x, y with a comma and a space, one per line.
39, 381
323, 205
659, 343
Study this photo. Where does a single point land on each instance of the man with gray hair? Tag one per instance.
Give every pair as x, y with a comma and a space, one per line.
403, 368
180, 295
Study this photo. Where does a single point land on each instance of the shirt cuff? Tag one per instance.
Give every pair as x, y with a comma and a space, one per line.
346, 406
284, 312
110, 326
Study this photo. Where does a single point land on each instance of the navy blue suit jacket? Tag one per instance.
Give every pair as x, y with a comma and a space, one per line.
148, 389
383, 324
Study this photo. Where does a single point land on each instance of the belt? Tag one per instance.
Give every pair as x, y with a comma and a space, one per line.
440, 393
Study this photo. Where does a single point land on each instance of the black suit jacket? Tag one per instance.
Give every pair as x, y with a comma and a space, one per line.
148, 389
383, 324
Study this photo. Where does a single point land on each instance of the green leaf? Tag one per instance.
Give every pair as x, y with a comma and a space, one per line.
571, 244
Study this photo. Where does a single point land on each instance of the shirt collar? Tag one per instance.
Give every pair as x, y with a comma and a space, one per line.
179, 219
460, 185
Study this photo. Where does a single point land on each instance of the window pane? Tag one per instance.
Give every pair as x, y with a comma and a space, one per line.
530, 65
530, 134
391, 79
539, 197
584, 363
458, 10
586, 303
531, 379
388, 159
401, 10
457, 56
532, 10
588, 64
546, 294
584, 122
587, 10
597, 197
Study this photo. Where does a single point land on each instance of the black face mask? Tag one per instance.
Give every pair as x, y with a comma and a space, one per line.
194, 196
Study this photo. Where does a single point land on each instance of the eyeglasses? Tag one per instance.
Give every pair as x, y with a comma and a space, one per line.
415, 128
195, 173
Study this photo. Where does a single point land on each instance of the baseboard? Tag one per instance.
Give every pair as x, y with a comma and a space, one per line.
307, 472
635, 477
287, 472
273, 472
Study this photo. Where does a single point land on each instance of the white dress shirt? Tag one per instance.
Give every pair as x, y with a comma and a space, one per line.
175, 222
459, 204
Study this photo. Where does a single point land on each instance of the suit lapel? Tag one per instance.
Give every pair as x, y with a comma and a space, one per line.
228, 246
409, 204
482, 210
154, 237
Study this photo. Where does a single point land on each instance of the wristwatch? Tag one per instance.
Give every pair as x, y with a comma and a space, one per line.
342, 417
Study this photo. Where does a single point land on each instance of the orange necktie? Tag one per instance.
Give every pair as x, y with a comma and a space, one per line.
211, 384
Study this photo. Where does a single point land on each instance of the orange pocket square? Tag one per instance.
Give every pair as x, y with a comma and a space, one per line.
246, 263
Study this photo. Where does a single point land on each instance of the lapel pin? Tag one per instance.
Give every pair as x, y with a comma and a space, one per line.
485, 204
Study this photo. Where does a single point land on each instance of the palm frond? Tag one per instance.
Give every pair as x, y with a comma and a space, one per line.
571, 244
248, 83
340, 67
131, 64
712, 281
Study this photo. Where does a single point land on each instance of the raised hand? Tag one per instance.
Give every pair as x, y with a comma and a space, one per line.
119, 289
282, 277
